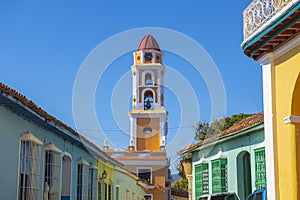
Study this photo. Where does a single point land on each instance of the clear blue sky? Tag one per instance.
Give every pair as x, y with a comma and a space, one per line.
43, 44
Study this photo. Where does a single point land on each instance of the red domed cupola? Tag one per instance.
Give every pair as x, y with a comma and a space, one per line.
148, 43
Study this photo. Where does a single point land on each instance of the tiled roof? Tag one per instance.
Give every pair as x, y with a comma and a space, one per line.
242, 125
180, 193
148, 42
4, 89
28, 103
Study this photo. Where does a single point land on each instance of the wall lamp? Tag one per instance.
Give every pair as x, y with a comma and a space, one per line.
103, 175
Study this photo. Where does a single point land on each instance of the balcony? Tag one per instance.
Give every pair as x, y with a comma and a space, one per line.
260, 12
268, 24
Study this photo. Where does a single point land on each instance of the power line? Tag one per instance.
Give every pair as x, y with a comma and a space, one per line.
127, 130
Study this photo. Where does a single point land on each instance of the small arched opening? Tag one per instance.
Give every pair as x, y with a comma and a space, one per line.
148, 100
243, 174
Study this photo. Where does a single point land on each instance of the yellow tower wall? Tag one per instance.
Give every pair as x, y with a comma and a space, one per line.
148, 141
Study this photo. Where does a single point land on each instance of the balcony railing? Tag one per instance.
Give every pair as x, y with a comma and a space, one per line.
259, 12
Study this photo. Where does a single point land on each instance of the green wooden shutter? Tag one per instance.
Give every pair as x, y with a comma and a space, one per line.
260, 168
219, 175
201, 179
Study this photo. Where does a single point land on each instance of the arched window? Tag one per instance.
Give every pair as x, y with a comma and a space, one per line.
147, 130
29, 167
148, 100
148, 79
52, 164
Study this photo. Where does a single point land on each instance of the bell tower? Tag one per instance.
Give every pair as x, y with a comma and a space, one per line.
148, 117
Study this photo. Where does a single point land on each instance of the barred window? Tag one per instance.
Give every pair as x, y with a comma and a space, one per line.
92, 182
219, 175
52, 171
201, 179
260, 168
29, 174
82, 179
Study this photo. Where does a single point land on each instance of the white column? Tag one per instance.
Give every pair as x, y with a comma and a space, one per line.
190, 186
134, 131
132, 141
159, 86
268, 126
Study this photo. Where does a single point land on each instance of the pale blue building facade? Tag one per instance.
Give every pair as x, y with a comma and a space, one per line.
41, 157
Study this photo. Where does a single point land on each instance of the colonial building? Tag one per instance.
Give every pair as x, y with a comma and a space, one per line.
230, 161
43, 158
146, 154
271, 37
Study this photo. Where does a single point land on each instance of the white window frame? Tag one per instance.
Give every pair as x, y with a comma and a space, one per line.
31, 157
92, 182
52, 170
84, 179
66, 154
150, 168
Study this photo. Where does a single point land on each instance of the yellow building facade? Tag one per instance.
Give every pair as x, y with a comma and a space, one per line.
105, 180
272, 38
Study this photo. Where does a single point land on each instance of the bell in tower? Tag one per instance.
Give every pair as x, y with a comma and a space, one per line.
148, 112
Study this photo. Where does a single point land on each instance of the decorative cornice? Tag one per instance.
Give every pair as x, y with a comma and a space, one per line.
266, 59
288, 46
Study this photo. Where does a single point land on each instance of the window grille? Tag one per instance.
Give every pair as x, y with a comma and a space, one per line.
92, 183
219, 175
29, 174
201, 180
260, 168
51, 172
82, 180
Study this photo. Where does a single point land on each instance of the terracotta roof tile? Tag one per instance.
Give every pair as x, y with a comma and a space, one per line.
148, 43
28, 103
244, 124
179, 193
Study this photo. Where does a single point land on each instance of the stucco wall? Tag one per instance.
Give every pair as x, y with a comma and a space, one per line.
246, 142
11, 128
285, 76
126, 183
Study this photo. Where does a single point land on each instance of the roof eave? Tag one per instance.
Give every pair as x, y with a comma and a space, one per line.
223, 138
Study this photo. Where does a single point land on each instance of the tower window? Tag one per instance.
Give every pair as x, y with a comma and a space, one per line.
145, 174
148, 100
148, 79
147, 130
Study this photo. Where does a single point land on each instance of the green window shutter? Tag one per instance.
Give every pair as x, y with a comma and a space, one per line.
219, 175
201, 179
260, 168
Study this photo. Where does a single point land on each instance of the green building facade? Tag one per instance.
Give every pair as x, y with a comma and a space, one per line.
231, 161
